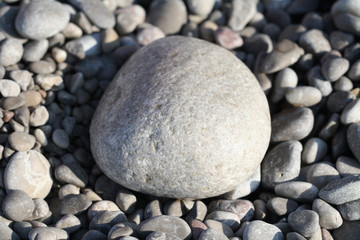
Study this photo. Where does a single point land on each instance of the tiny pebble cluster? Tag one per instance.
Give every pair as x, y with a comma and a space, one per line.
57, 58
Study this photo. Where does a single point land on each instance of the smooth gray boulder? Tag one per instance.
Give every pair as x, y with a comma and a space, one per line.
183, 118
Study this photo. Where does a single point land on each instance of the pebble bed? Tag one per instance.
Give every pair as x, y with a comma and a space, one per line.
56, 59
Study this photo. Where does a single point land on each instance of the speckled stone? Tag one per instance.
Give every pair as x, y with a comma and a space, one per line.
30, 172
329, 217
183, 176
305, 222
18, 206
297, 190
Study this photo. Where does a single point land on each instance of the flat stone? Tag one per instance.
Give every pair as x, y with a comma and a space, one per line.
292, 124
321, 174
315, 41
179, 180
18, 206
41, 19
227, 38
42, 67
169, 16
32, 98
86, 46
241, 13
74, 204
329, 217
47, 82
347, 166
228, 218
29, 172
281, 164
167, 224
258, 230
11, 52
21, 141
351, 112
303, 96
305, 222
341, 190
60, 138
297, 190
97, 12
353, 139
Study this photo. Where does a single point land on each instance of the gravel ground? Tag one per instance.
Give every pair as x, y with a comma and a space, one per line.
57, 58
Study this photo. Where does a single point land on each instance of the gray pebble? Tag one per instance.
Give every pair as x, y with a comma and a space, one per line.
22, 116
316, 79
281, 164
351, 112
330, 127
350, 211
21, 141
333, 68
66, 98
292, 32
21, 228
217, 225
39, 116
303, 96
353, 139
285, 79
126, 200
94, 235
71, 173
228, 218
68, 189
347, 166
86, 46
42, 67
315, 150
74, 204
104, 221
313, 20
292, 124
197, 227
297, 190
100, 207
11, 52
305, 222
272, 30
340, 40
302, 6
259, 230
338, 100
35, 50
201, 7
241, 13
167, 225
60, 138
47, 82
175, 208
315, 41
227, 38
258, 43
349, 230
198, 211
18, 205
22, 77
41, 209
127, 19
41, 19
72, 31
97, 12
343, 84
321, 174
341, 190
294, 236
152, 209
211, 233
354, 72
70, 223
329, 217
244, 209
284, 54
260, 209
9, 88
169, 16
161, 236
345, 16
281, 206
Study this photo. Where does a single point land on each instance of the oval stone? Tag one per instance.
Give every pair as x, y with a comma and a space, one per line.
192, 112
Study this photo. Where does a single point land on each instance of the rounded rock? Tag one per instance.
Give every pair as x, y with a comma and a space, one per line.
200, 7
351, 112
353, 139
281, 206
211, 233
314, 150
11, 52
41, 19
329, 217
74, 204
321, 174
303, 96
18, 205
9, 88
347, 166
29, 172
71, 173
173, 58
259, 230
60, 138
297, 190
334, 68
21, 141
305, 222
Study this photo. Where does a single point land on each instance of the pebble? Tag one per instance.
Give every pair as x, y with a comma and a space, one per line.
329, 217
149, 182
148, 35
100, 207
41, 19
48, 233
350, 210
32, 98
302, 6
200, 7
211, 233
197, 227
314, 41
169, 16
97, 12
316, 79
341, 190
21, 141
347, 166
351, 114
321, 174
340, 40
227, 38
70, 223
198, 211
228, 218
161, 235
219, 226
343, 84
348, 230
334, 68
41, 209
174, 208
258, 43
285, 79
74, 204
241, 12
126, 200
165, 224
104, 221
86, 46
128, 18
258, 230
354, 72
297, 190
21, 228
346, 16
39, 117
305, 222
353, 139
303, 96
71, 173
72, 31
292, 124
68, 189
120, 230
9, 88
22, 77
315, 150
42, 67
338, 100
294, 236
292, 32
47, 82
284, 55
313, 20
60, 138
281, 206
281, 164
35, 50
18, 206
11, 52
30, 172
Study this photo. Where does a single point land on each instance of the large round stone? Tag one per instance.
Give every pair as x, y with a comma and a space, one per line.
183, 118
